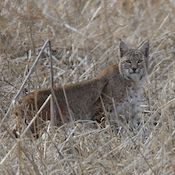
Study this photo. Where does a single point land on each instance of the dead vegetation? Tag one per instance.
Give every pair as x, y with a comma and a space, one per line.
84, 36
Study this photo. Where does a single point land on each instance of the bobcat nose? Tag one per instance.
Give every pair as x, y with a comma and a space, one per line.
134, 69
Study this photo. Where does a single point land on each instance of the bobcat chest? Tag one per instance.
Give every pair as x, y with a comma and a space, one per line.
130, 104
128, 109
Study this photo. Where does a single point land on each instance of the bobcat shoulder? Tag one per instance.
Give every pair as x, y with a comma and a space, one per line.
117, 85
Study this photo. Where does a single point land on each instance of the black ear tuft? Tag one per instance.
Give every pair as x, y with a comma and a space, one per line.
144, 48
123, 48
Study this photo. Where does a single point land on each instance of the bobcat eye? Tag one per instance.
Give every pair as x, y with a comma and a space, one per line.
128, 61
139, 61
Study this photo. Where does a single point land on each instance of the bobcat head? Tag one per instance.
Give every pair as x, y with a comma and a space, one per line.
133, 62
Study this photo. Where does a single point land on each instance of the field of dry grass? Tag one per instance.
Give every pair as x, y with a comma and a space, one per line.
85, 36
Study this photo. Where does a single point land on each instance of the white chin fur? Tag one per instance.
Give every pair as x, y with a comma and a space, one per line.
135, 77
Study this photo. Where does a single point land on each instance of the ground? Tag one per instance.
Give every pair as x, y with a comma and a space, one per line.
85, 36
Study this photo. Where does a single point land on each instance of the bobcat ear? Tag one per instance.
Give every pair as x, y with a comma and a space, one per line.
123, 48
144, 48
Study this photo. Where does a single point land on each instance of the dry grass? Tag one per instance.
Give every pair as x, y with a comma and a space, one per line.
84, 35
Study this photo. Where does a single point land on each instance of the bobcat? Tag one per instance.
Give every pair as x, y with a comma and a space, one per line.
118, 86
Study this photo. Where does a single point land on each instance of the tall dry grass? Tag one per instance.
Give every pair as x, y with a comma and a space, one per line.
85, 36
